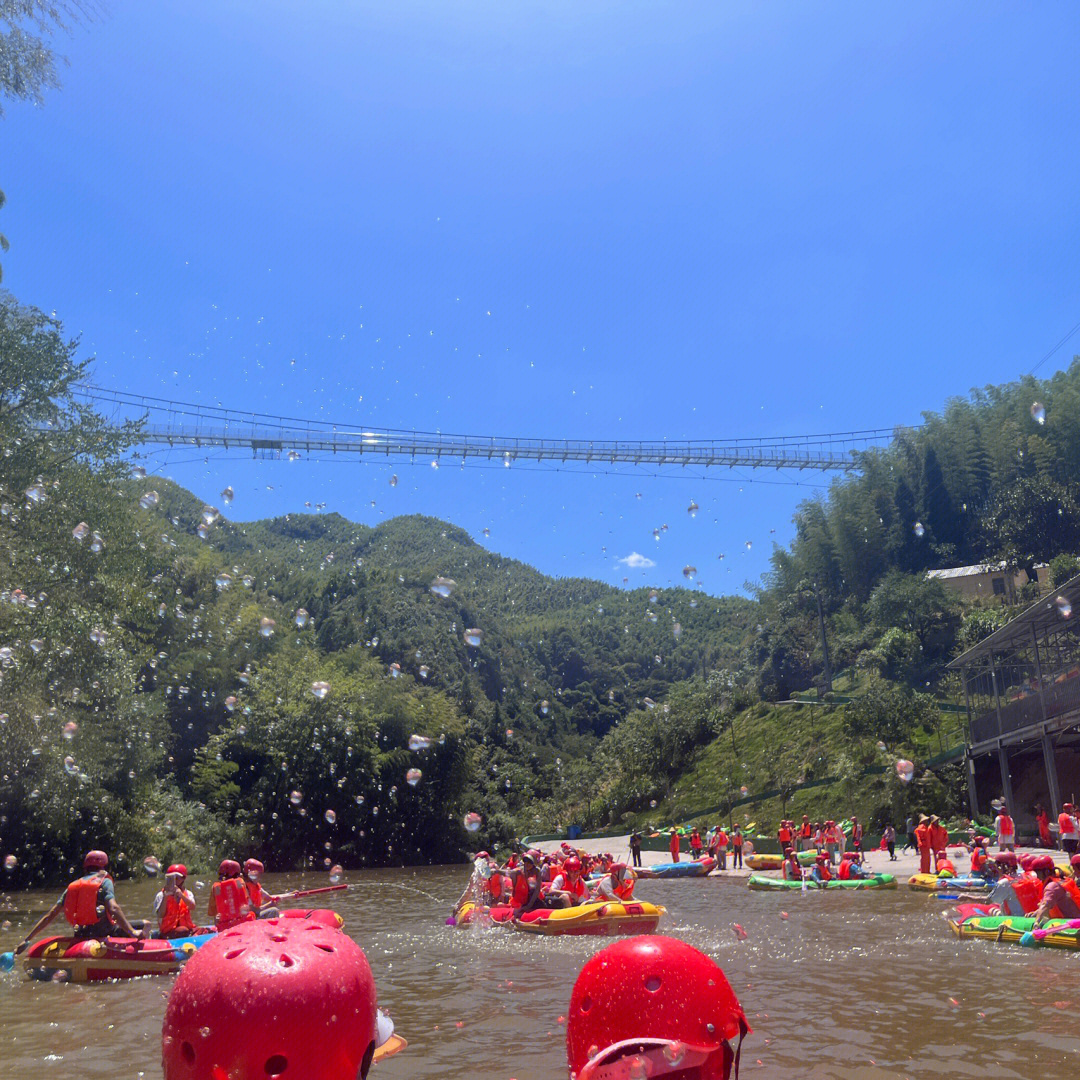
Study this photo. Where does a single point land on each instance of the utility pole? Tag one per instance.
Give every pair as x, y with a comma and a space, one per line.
824, 640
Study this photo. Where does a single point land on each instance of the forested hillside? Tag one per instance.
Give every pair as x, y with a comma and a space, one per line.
315, 691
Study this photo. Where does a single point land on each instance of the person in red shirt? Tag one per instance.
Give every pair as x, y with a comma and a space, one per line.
1042, 819
674, 845
695, 844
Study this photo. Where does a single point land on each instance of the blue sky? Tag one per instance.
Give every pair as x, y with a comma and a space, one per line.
582, 220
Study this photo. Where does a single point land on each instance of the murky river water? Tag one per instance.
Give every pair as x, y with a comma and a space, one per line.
854, 986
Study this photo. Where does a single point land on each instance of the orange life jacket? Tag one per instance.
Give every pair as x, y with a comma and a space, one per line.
575, 888
255, 894
824, 872
231, 903
522, 889
81, 902
624, 889
177, 913
784, 836
1070, 886
1006, 825
805, 830
721, 839
843, 872
1029, 890
978, 860
494, 886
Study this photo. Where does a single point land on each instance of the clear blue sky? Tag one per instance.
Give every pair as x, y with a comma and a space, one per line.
564, 219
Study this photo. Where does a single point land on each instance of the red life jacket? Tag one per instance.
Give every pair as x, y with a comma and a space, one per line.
255, 894
784, 836
575, 888
721, 839
843, 872
231, 903
824, 872
1072, 889
494, 886
177, 914
1006, 826
978, 860
81, 902
522, 890
804, 830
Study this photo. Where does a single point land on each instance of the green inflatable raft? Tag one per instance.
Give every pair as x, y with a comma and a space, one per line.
1019, 930
876, 881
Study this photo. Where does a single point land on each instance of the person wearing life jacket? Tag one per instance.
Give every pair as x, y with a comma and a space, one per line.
569, 888
618, 885
806, 833
721, 848
843, 871
525, 885
1003, 897
495, 886
783, 835
695, 843
283, 998
673, 844
229, 903
946, 868
1042, 820
89, 905
821, 872
174, 904
792, 871
1006, 830
939, 839
922, 839
1068, 832
1058, 901
262, 903
653, 1006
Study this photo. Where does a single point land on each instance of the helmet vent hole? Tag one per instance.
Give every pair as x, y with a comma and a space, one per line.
276, 1065
586, 1003
232, 954
188, 1051
325, 948
278, 937
285, 960
652, 983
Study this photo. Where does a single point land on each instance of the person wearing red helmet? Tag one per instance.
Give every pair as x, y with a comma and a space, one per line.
174, 904
229, 902
274, 998
653, 1006
261, 902
525, 890
790, 868
569, 888
89, 905
617, 885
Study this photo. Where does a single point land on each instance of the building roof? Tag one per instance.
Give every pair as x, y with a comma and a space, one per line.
965, 571
1044, 614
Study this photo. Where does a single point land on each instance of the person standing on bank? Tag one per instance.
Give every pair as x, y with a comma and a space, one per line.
635, 848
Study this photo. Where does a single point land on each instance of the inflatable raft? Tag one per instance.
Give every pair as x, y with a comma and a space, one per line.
876, 881
961, 883
1018, 929
601, 919
97, 960
759, 861
696, 868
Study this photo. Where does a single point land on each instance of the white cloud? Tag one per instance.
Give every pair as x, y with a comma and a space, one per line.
635, 560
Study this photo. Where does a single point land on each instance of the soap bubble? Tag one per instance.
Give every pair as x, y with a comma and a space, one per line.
692, 509
230, 703
296, 798
97, 545
227, 495
336, 874
320, 690
473, 637
443, 586
473, 821
749, 544
69, 730
688, 572
1038, 412
139, 473
149, 500
545, 707
81, 531
395, 670
266, 626
424, 671
393, 480
223, 581
301, 617
419, 742
919, 529
744, 791
331, 817
1064, 607
413, 776
676, 629
151, 865
10, 862
210, 514
905, 770
36, 645
98, 636
70, 767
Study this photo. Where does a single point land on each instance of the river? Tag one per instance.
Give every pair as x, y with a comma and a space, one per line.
856, 986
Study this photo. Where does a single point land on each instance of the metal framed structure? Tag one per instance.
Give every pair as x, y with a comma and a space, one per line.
1022, 690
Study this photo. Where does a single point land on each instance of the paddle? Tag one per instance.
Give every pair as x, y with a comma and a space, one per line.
300, 893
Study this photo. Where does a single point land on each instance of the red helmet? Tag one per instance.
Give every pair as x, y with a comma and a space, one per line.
618, 868
253, 866
177, 868
572, 865
228, 868
1039, 862
95, 860
1075, 860
269, 998
1006, 858
653, 998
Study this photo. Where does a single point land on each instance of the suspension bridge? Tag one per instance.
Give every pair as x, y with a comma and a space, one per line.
184, 424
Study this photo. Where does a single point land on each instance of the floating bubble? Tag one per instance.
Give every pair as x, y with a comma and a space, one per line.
266, 626
139, 473
688, 572
10, 862
676, 629
692, 509
651, 616
509, 734
247, 581
424, 671
473, 637
331, 817
70, 767
749, 545
296, 797
36, 493
1038, 412
393, 480
36, 645
649, 703
419, 742
69, 730
473, 821
151, 865
230, 703
545, 707
674, 1052
443, 586
413, 777
336, 874
227, 495
905, 770
881, 746
320, 689
149, 500
919, 529
97, 545
1063, 606
739, 932
395, 670
210, 514
98, 636
203, 532
486, 532
81, 531
744, 791
652, 804
301, 617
